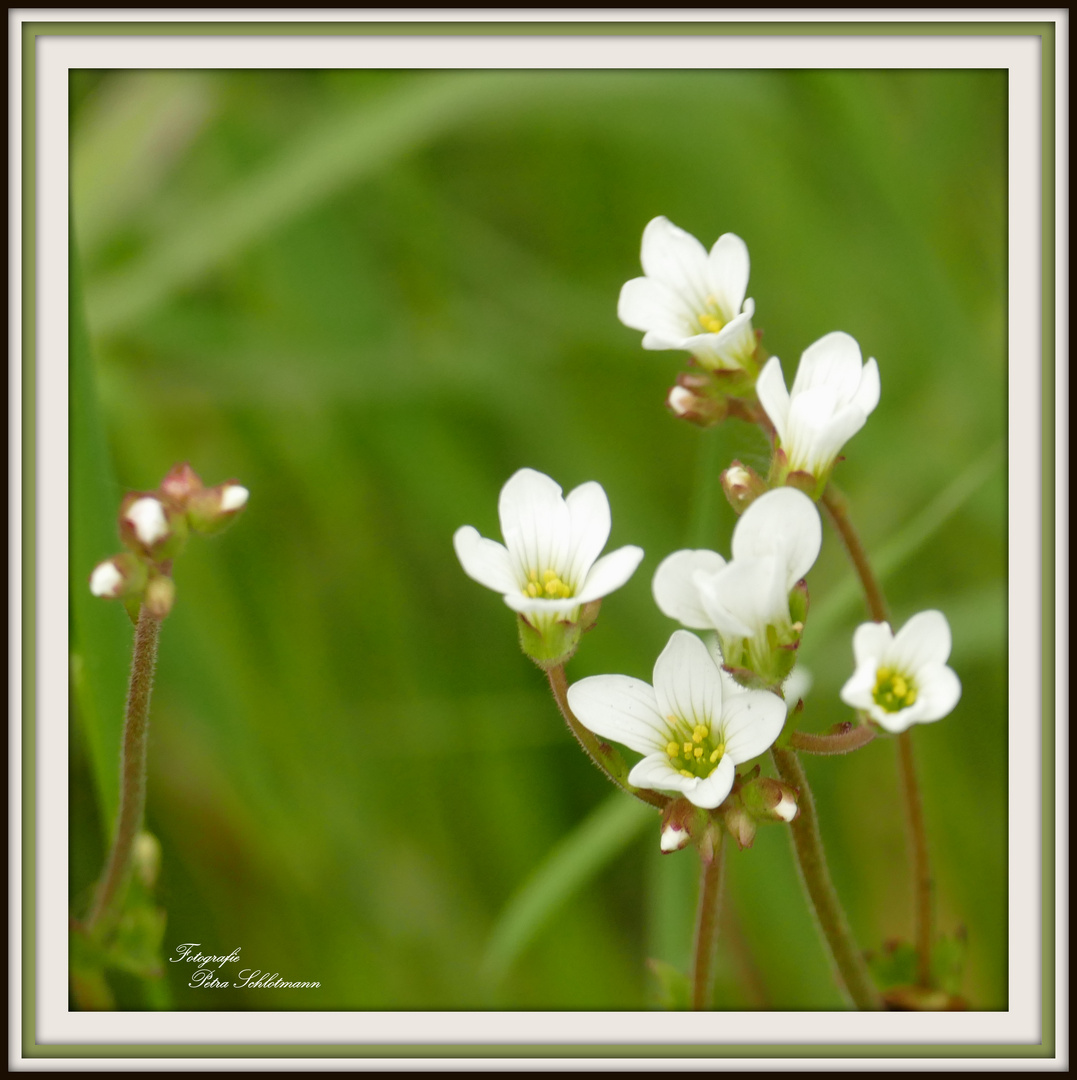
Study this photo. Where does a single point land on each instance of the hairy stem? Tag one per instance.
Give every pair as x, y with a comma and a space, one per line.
914, 809
710, 892
811, 860
910, 786
602, 754
842, 739
132, 770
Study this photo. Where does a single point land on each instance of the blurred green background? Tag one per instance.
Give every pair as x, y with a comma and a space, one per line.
370, 297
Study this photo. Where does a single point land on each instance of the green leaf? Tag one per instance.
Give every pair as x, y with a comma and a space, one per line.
673, 986
596, 841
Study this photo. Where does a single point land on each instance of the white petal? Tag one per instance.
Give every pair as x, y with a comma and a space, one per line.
610, 573
233, 497
544, 608
783, 523
938, 691
731, 348
621, 708
896, 722
818, 427
677, 259
833, 361
727, 274
534, 522
859, 690
750, 723
674, 588
106, 580
147, 516
655, 771
871, 641
485, 561
589, 514
924, 639
747, 595
867, 394
712, 792
773, 396
686, 682
646, 304
673, 838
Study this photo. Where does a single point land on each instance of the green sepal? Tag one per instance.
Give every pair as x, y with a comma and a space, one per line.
553, 646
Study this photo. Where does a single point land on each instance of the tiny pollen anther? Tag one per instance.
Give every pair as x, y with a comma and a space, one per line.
697, 752
715, 756
687, 747
672, 749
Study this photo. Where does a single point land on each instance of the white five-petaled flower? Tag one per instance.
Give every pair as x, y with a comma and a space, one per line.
549, 565
832, 396
775, 543
902, 679
690, 299
694, 725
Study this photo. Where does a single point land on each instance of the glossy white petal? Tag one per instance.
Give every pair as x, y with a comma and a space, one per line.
712, 791
485, 561
731, 347
858, 691
233, 497
924, 639
535, 522
675, 590
832, 361
751, 722
727, 274
646, 304
621, 708
544, 607
783, 523
773, 396
609, 573
687, 684
655, 771
939, 691
867, 394
589, 517
747, 595
871, 640
675, 258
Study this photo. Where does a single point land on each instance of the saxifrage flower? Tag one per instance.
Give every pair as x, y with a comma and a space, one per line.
689, 299
833, 394
694, 725
549, 566
902, 679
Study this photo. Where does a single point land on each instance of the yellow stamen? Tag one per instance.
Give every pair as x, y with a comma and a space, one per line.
672, 749
687, 747
715, 756
697, 753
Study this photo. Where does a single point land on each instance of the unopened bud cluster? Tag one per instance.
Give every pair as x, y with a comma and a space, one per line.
154, 526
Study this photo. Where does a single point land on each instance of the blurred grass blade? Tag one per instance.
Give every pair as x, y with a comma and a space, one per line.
100, 632
597, 840
907, 542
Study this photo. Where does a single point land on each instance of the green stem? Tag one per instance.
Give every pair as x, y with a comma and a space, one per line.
835, 505
602, 754
710, 892
914, 809
811, 860
132, 770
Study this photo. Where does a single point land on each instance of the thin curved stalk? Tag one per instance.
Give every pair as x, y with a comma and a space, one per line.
844, 739
710, 895
132, 770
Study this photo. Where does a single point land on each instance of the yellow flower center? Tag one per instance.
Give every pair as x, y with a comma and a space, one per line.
692, 750
893, 691
546, 585
711, 319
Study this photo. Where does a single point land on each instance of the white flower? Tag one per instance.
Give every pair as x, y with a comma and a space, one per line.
903, 679
691, 300
694, 725
548, 566
775, 543
148, 519
832, 397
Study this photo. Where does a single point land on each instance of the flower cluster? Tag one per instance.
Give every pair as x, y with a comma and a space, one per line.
706, 713
154, 526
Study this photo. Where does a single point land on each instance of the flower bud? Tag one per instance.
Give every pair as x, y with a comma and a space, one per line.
740, 824
180, 484
767, 799
742, 486
119, 576
160, 595
151, 527
682, 822
693, 399
210, 510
